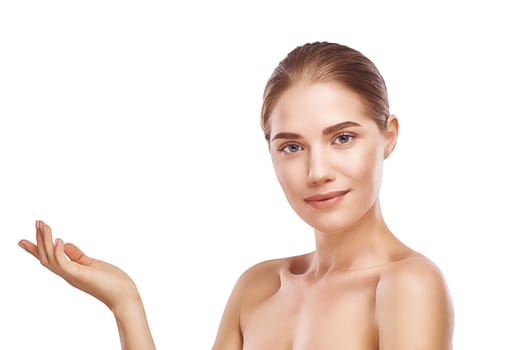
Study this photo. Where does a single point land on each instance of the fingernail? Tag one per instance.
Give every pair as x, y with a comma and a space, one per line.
20, 244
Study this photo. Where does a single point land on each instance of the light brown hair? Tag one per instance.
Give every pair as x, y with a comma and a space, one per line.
328, 62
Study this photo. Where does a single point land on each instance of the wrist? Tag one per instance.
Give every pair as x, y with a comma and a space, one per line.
132, 325
127, 306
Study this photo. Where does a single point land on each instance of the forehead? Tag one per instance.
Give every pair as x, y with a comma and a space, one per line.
317, 105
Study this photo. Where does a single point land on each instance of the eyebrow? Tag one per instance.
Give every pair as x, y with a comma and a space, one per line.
329, 130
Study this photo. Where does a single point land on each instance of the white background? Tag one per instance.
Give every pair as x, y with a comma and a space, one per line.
132, 128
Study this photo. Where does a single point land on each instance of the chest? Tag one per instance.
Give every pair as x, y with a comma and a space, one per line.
331, 316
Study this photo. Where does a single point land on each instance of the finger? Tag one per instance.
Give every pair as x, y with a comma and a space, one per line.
59, 253
61, 258
40, 244
29, 247
76, 255
49, 247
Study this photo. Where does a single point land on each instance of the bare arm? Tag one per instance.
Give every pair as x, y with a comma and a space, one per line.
414, 309
255, 285
104, 281
229, 335
133, 327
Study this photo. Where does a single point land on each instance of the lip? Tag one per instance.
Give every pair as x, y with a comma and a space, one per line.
325, 200
325, 196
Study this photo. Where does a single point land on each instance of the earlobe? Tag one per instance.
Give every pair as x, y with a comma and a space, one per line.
389, 150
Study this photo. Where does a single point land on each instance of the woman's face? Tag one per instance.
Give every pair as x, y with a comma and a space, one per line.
328, 154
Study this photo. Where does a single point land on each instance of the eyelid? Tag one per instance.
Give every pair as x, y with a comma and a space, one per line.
283, 146
348, 133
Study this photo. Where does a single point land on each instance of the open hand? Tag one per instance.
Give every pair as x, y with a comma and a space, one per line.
102, 280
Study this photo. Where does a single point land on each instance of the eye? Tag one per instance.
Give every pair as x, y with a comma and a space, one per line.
291, 148
344, 138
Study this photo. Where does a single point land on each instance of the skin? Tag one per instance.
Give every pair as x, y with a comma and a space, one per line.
104, 281
361, 288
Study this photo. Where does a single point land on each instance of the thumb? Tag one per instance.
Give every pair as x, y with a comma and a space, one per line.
75, 254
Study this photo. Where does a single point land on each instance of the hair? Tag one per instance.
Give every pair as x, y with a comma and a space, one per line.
328, 62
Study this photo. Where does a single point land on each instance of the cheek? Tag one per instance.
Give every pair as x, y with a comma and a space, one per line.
363, 167
290, 176
287, 176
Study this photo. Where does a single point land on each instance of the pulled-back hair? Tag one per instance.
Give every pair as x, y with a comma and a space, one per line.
328, 62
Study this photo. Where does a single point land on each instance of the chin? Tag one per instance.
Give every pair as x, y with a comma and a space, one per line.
331, 223
331, 228
342, 216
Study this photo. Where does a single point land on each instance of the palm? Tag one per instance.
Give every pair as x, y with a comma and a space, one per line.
100, 279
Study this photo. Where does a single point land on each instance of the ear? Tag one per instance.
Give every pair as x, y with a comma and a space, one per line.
391, 135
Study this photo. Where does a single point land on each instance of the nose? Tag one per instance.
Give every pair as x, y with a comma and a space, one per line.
319, 171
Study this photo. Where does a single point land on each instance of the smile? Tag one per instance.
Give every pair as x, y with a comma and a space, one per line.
327, 200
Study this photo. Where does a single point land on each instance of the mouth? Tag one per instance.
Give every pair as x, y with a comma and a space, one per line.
325, 200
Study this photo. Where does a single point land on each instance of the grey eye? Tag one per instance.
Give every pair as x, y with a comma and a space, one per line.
291, 148
344, 138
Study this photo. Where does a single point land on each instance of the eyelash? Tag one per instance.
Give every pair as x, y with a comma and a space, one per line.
350, 134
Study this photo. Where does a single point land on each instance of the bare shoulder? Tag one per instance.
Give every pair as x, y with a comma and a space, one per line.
268, 268
416, 271
262, 280
413, 306
417, 277
254, 286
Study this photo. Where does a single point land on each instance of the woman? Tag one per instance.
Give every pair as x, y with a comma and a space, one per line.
326, 119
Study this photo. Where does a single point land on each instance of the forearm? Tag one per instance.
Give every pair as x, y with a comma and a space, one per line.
133, 327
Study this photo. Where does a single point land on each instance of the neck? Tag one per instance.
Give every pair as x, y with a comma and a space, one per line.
366, 244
